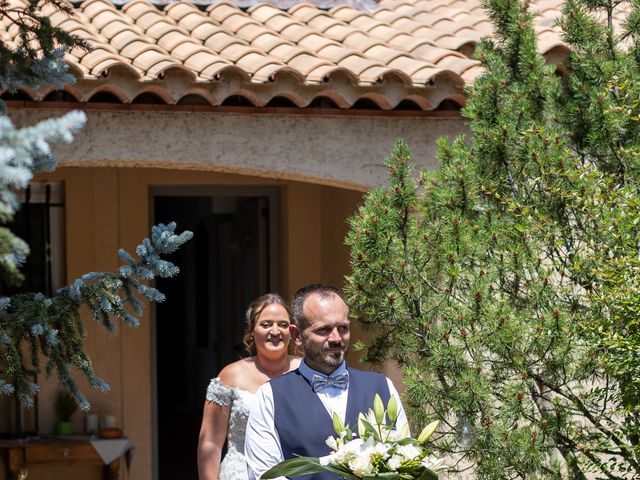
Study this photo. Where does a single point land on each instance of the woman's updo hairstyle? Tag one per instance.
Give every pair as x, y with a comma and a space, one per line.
254, 311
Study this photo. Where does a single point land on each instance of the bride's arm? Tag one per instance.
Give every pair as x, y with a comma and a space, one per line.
213, 432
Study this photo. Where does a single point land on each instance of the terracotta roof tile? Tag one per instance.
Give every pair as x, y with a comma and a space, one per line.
112, 29
221, 40
305, 12
296, 32
263, 12
251, 31
93, 7
358, 64
335, 52
186, 49
383, 54
138, 47
193, 20
159, 67
268, 41
425, 45
171, 40
178, 10
236, 51
316, 42
233, 23
253, 61
201, 59
305, 63
279, 22
286, 52
222, 10
321, 23
345, 13
137, 8
374, 74
97, 56
146, 59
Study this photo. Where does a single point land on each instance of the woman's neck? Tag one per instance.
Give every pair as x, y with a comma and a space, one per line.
272, 367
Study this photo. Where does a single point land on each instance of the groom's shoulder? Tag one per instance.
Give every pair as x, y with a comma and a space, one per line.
366, 374
285, 377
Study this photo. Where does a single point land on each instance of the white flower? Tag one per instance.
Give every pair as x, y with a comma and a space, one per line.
434, 464
392, 436
327, 459
409, 451
332, 443
361, 463
395, 461
348, 450
381, 449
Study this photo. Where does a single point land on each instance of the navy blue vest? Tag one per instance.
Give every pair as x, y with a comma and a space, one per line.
303, 423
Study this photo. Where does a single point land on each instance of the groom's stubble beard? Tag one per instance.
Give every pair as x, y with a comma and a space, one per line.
331, 359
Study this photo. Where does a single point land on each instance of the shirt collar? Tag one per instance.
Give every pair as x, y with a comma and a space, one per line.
308, 373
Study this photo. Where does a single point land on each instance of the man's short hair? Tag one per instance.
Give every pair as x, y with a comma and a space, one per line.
297, 303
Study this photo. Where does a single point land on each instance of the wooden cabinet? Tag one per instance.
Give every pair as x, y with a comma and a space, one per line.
25, 454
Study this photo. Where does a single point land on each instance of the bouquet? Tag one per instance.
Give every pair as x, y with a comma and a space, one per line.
377, 452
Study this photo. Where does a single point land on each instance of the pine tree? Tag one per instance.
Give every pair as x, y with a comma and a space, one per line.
505, 282
31, 324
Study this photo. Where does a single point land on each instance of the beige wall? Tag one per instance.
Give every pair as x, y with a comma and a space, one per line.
109, 208
345, 150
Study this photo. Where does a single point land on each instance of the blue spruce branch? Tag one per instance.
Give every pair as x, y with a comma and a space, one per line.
53, 327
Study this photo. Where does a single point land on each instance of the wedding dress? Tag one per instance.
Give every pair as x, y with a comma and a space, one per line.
233, 466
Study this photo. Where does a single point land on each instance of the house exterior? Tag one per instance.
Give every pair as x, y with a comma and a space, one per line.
259, 127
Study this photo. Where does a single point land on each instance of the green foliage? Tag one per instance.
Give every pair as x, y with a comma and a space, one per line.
506, 282
53, 327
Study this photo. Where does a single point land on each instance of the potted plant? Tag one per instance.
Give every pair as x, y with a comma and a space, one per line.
65, 405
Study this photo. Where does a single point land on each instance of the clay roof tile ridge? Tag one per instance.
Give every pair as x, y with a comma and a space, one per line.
135, 8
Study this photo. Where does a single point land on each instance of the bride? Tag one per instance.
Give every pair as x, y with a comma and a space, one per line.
230, 395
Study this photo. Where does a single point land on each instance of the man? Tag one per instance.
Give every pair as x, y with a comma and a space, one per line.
293, 413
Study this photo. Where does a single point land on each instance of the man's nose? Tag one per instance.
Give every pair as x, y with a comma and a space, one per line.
335, 335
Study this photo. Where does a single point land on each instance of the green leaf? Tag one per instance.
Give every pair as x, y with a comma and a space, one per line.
342, 471
381, 476
427, 432
294, 467
378, 409
428, 474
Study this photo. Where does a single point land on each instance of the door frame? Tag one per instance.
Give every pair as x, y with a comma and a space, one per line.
273, 193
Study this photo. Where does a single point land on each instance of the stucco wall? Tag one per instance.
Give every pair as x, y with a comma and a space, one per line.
339, 150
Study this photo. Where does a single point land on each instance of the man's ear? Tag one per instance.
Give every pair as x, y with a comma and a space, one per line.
295, 334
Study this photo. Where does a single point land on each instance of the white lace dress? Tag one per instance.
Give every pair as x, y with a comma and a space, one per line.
233, 466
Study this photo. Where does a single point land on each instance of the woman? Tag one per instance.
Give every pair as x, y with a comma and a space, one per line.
230, 395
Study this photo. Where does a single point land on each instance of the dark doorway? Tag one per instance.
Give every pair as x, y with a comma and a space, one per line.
198, 329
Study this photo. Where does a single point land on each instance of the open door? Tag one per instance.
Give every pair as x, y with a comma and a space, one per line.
198, 330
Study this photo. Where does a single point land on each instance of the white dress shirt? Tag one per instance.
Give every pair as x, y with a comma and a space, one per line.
262, 448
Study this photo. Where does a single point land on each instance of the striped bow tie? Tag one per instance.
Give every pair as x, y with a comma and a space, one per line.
339, 381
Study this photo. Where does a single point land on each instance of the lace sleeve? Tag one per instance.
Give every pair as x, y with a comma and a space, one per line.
219, 393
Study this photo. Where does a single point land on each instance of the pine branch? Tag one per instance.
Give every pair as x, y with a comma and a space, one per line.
52, 327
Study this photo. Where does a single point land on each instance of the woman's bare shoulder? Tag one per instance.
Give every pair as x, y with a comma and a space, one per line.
233, 374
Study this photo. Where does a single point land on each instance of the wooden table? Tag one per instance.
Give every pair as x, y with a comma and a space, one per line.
23, 454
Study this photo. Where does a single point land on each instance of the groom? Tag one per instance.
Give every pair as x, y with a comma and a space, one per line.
293, 413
